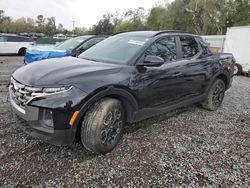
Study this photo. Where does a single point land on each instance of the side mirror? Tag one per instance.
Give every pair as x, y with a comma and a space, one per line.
153, 61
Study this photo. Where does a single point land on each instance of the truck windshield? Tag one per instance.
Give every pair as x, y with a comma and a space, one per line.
117, 49
71, 43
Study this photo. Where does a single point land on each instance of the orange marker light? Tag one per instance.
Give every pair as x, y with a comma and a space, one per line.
73, 118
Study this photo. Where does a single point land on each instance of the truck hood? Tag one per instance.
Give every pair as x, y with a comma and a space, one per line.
62, 71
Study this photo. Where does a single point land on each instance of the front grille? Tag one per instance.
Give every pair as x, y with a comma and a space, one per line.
22, 94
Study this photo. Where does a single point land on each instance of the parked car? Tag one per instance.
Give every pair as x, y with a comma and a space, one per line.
125, 78
70, 47
12, 44
59, 36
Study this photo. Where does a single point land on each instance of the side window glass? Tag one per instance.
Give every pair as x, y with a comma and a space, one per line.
189, 46
90, 43
10, 39
22, 39
13, 39
205, 49
164, 48
2, 39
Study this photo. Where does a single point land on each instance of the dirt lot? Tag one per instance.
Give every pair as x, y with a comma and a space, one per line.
187, 147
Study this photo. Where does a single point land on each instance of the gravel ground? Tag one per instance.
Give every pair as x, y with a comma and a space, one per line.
186, 147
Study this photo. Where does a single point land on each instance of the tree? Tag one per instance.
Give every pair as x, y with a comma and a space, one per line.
40, 21
157, 18
105, 26
30, 25
21, 25
206, 16
80, 31
6, 23
124, 26
237, 13
134, 20
50, 27
198, 16
60, 28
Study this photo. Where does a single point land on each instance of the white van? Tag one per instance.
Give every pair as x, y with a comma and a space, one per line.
11, 44
238, 43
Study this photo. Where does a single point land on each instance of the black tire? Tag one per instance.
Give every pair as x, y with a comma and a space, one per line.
22, 52
215, 95
237, 69
103, 125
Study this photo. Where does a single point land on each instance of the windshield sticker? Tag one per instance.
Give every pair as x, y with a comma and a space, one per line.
136, 42
79, 40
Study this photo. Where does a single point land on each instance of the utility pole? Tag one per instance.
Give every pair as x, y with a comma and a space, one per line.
73, 25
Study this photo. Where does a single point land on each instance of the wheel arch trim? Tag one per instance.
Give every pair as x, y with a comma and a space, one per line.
222, 73
108, 92
21, 48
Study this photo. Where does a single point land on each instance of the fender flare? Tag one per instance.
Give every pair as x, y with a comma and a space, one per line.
109, 91
221, 72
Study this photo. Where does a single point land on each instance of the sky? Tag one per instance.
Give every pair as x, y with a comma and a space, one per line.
85, 12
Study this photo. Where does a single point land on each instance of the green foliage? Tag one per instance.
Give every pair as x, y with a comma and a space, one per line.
123, 26
132, 20
23, 25
50, 27
79, 31
157, 18
105, 25
238, 13
200, 16
197, 16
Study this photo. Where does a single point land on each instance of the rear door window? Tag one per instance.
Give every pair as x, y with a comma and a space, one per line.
205, 49
17, 39
189, 46
25, 39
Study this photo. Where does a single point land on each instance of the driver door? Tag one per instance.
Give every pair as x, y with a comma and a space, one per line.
166, 84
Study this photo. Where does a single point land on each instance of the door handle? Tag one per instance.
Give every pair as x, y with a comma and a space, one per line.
177, 74
206, 65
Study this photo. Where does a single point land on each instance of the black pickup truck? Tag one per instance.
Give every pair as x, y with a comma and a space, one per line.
126, 78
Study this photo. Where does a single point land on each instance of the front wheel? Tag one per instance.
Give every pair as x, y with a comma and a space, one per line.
103, 125
215, 95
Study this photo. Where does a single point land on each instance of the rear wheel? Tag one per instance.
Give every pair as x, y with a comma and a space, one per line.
22, 52
103, 125
215, 96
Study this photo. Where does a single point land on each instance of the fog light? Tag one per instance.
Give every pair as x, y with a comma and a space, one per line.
47, 118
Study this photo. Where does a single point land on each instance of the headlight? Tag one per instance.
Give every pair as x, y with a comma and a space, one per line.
49, 91
56, 89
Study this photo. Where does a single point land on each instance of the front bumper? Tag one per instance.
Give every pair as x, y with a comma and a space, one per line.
30, 121
31, 118
57, 137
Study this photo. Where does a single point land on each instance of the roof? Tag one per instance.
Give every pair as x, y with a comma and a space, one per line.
13, 35
92, 36
7, 34
152, 33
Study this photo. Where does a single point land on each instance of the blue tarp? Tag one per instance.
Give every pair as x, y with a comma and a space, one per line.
36, 54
